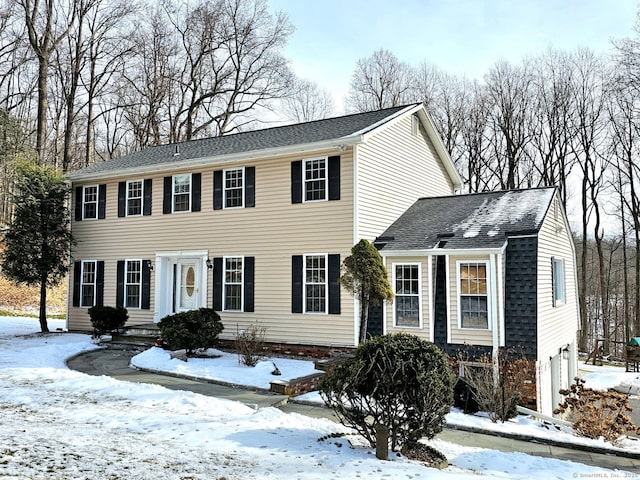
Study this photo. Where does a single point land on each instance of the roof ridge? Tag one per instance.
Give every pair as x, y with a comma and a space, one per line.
493, 192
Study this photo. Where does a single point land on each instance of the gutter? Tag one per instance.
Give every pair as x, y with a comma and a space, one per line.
172, 165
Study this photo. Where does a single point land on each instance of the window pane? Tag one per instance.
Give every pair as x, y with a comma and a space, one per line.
407, 301
133, 283
233, 283
474, 312
315, 178
181, 190
90, 202
233, 183
134, 198
88, 284
315, 283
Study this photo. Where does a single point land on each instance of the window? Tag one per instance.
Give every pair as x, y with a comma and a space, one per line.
134, 198
407, 290
233, 283
88, 283
233, 187
182, 193
90, 202
315, 283
557, 274
473, 297
133, 283
315, 179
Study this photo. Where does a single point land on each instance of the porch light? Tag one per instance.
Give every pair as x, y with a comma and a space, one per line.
565, 352
149, 265
209, 264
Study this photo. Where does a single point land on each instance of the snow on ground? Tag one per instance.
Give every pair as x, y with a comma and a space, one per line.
60, 424
610, 377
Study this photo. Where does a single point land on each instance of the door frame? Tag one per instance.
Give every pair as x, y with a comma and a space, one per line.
165, 280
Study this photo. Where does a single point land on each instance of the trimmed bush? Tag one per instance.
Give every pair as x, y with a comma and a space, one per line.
107, 319
397, 381
250, 344
191, 330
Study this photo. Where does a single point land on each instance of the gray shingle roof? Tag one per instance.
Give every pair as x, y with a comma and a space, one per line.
474, 221
245, 142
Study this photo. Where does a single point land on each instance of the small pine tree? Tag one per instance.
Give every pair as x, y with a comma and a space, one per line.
365, 276
38, 240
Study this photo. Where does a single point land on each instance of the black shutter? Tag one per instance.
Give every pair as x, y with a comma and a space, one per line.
334, 178
249, 285
196, 183
78, 204
100, 284
296, 284
250, 187
122, 199
217, 283
77, 271
296, 181
147, 196
217, 190
102, 200
145, 303
334, 284
120, 283
167, 195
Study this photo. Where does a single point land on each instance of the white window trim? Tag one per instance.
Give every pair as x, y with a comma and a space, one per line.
420, 314
126, 271
97, 202
127, 198
326, 179
173, 192
326, 283
95, 281
489, 295
224, 284
224, 188
558, 301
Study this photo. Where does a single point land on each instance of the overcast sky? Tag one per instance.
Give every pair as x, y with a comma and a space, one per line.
462, 37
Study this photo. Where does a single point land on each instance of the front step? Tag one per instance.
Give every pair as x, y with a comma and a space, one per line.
146, 334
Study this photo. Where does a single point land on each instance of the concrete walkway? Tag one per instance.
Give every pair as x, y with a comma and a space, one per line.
113, 361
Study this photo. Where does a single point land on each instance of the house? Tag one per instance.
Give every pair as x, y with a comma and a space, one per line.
256, 225
476, 273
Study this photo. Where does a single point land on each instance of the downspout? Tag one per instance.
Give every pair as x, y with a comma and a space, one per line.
493, 312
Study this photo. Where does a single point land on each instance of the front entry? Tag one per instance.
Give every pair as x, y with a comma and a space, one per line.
187, 285
181, 282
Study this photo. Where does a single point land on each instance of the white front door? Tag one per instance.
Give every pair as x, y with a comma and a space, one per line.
187, 286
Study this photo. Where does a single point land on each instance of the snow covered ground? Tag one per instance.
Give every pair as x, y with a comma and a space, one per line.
60, 424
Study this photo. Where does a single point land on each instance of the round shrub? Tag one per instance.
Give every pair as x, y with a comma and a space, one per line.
398, 381
191, 330
107, 319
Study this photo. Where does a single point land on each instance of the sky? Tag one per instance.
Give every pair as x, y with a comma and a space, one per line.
461, 37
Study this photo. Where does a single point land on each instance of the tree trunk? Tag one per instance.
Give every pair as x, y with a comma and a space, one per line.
364, 318
44, 328
41, 128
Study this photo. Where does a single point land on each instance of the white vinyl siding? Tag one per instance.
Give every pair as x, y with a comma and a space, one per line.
557, 325
394, 169
271, 232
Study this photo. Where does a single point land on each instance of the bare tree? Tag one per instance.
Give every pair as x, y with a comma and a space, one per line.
307, 102
48, 22
380, 81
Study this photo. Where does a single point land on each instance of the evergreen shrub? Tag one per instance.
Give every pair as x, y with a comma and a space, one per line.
191, 330
397, 381
106, 319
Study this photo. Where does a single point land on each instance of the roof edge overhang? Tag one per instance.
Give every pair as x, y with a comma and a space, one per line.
429, 252
338, 144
